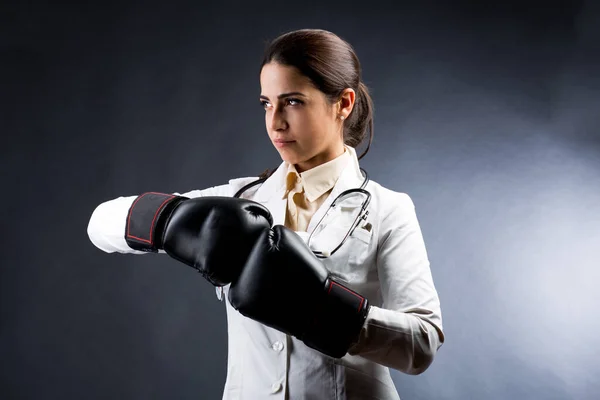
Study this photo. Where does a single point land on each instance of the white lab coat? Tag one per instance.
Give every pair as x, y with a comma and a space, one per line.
388, 265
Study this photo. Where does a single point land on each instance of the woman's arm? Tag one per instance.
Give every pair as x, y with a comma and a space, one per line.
406, 334
106, 228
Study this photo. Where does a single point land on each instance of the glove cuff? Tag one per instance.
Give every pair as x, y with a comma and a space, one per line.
338, 324
147, 218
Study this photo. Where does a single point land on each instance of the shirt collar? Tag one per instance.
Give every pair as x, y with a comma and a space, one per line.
318, 180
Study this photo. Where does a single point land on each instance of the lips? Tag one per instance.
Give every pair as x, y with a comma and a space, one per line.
283, 143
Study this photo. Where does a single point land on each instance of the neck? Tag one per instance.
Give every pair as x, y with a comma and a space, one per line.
319, 159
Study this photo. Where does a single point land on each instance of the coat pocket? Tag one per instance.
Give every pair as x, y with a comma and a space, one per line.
362, 234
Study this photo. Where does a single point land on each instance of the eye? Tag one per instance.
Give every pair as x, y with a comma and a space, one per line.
293, 102
264, 104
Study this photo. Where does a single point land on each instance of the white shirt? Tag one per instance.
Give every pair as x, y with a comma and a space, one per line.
388, 264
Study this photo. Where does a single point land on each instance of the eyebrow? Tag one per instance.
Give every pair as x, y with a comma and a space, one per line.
281, 96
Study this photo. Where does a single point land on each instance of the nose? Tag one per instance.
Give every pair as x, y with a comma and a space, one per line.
276, 120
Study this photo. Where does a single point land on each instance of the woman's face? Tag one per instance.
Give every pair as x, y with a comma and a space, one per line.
304, 128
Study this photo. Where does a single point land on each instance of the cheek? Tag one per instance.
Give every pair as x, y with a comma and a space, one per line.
310, 126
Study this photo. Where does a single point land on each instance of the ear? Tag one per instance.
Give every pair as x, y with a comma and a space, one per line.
346, 102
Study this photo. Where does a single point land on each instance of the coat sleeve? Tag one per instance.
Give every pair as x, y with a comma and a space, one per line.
106, 227
406, 332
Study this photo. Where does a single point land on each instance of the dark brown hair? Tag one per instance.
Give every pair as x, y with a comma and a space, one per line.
332, 66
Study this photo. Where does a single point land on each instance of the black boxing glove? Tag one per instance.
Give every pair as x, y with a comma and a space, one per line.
284, 286
211, 234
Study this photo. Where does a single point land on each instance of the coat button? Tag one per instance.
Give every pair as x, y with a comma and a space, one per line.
277, 346
275, 387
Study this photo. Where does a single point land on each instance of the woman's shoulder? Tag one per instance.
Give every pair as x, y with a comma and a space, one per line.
389, 196
390, 202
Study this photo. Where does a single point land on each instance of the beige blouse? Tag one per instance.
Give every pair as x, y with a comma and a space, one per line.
306, 191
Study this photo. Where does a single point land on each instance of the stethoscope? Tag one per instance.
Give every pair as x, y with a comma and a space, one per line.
361, 216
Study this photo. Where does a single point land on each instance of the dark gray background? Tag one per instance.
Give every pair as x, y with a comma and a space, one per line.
487, 115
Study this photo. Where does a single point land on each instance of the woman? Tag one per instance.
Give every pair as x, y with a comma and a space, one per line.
317, 111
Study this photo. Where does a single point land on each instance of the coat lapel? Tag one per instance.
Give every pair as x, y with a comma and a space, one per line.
270, 194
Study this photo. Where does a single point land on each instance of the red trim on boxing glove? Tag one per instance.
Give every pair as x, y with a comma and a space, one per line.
353, 295
146, 219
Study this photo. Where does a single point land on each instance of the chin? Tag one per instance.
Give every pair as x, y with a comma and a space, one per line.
290, 158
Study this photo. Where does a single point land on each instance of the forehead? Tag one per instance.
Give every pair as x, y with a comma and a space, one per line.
277, 78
